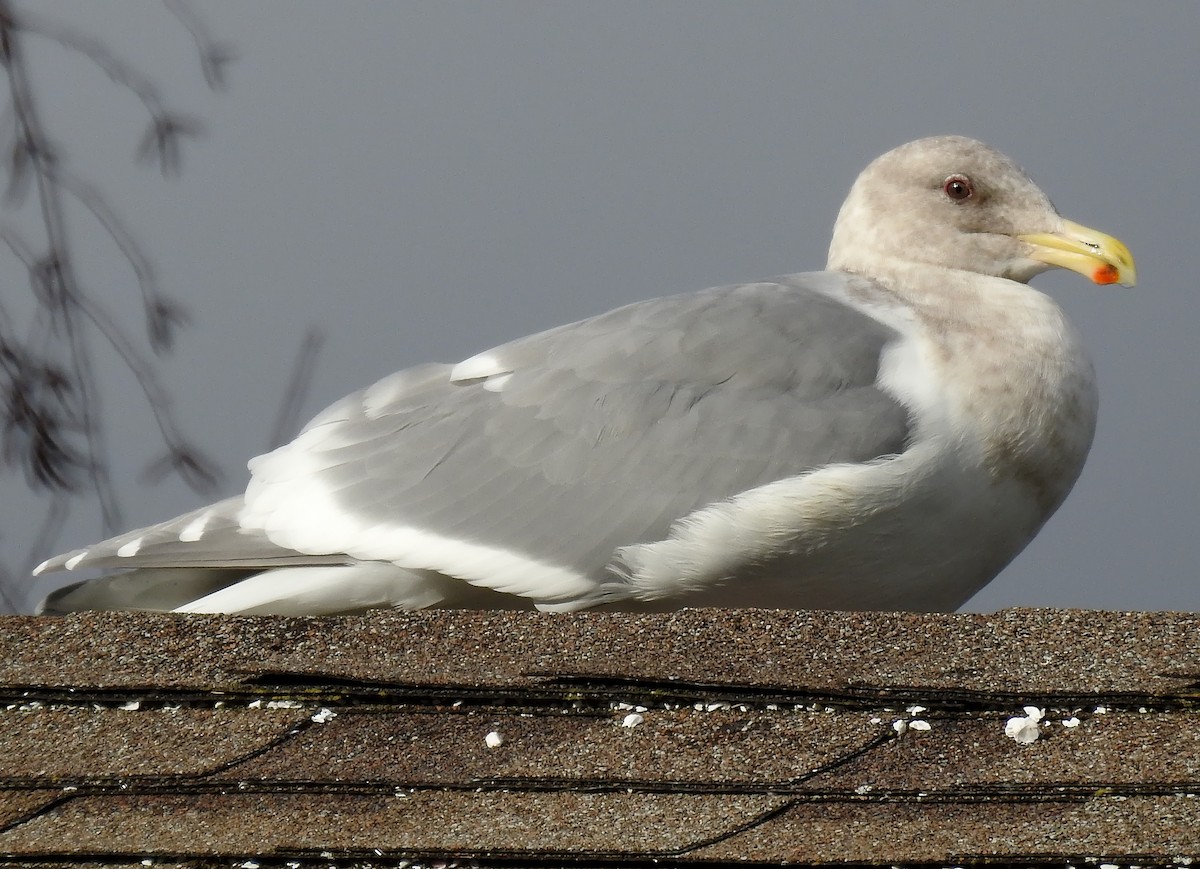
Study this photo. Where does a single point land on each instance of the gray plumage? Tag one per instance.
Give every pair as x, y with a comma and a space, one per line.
674, 451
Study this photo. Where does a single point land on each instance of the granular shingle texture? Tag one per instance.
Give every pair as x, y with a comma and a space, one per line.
519, 739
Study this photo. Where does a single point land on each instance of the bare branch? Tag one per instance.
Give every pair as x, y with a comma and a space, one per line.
288, 419
112, 66
161, 143
53, 276
50, 420
162, 314
20, 249
214, 56
198, 467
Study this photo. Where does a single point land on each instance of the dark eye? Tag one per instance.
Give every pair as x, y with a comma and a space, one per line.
958, 187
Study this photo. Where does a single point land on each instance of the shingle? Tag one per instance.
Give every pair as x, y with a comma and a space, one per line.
66, 745
423, 822
766, 737
1013, 653
18, 804
719, 749
1112, 829
1151, 751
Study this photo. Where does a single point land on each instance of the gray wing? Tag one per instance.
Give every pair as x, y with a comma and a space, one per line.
597, 434
562, 446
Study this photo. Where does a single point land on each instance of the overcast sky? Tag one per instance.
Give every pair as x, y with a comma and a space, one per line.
426, 180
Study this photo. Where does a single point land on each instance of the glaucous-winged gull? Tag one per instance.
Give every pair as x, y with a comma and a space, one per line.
885, 434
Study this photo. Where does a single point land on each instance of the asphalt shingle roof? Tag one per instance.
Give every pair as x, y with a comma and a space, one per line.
695, 737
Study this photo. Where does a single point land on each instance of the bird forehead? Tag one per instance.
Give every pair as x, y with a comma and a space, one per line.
915, 173
928, 162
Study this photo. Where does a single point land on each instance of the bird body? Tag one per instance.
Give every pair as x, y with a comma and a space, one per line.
885, 434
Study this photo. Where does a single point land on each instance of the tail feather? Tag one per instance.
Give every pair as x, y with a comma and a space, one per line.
311, 590
158, 589
210, 537
318, 591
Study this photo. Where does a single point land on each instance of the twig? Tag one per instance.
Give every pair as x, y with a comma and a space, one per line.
54, 273
214, 56
287, 421
50, 419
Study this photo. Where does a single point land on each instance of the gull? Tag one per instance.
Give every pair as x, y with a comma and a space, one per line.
885, 434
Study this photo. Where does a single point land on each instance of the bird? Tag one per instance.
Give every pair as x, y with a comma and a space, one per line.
884, 434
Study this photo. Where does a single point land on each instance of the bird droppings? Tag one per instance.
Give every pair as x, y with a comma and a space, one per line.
633, 719
323, 716
1071, 722
1025, 729
494, 739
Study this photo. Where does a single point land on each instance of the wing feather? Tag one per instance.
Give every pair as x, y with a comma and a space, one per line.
558, 448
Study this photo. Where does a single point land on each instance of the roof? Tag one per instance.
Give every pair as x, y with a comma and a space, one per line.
514, 738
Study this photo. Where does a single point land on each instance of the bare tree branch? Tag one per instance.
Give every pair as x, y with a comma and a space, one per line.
162, 314
214, 56
54, 275
50, 414
166, 128
287, 421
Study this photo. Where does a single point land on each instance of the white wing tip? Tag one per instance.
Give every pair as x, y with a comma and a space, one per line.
194, 530
131, 548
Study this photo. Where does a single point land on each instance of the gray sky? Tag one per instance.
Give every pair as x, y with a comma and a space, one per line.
426, 180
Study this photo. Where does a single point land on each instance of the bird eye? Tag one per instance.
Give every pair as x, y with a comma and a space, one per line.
958, 187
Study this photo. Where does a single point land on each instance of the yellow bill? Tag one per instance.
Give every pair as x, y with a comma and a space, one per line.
1101, 257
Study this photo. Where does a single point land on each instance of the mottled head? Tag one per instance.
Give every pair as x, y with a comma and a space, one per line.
957, 203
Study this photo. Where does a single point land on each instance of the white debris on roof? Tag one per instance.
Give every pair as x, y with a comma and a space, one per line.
1025, 729
633, 719
494, 739
323, 715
